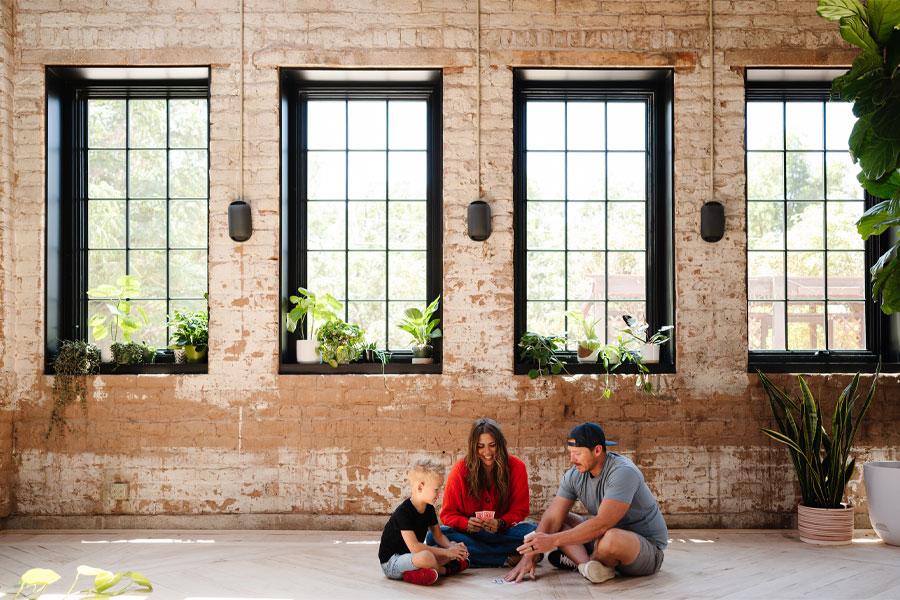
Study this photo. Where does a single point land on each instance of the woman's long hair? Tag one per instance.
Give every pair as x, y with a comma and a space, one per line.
478, 478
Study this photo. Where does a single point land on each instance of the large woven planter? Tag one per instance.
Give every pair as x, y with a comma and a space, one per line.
825, 526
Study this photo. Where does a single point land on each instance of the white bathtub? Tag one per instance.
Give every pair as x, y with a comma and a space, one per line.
883, 494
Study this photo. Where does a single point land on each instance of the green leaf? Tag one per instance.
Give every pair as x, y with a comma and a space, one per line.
884, 16
878, 158
103, 291
886, 123
413, 314
91, 571
879, 219
140, 579
533, 373
854, 31
41, 577
836, 9
859, 79
104, 581
892, 56
886, 280
888, 187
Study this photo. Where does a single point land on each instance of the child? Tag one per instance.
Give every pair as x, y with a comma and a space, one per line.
402, 553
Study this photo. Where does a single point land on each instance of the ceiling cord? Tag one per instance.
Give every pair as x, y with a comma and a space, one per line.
712, 104
478, 92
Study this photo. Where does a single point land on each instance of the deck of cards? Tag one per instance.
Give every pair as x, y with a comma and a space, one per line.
484, 515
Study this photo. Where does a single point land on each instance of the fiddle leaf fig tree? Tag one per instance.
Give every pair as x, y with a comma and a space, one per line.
873, 85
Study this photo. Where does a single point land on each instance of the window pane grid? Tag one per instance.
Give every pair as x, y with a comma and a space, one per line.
813, 306
540, 246
389, 220
136, 252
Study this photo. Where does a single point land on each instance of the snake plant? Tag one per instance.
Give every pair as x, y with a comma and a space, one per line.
821, 456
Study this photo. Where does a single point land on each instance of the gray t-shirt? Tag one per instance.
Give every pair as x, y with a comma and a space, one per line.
619, 480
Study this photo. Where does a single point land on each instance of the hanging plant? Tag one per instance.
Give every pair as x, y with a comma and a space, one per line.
76, 360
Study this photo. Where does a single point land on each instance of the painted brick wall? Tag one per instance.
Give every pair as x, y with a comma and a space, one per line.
7, 468
243, 445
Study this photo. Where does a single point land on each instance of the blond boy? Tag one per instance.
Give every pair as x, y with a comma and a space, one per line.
403, 553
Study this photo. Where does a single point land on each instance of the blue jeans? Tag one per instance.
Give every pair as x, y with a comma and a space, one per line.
488, 549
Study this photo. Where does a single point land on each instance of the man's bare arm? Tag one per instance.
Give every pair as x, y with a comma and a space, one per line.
609, 513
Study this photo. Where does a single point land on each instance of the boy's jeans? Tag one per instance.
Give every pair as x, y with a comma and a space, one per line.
488, 549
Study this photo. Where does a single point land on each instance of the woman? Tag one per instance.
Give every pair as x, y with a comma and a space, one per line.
487, 479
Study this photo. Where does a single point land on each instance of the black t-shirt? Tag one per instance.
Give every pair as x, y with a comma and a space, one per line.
405, 518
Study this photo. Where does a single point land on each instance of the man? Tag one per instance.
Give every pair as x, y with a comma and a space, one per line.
627, 532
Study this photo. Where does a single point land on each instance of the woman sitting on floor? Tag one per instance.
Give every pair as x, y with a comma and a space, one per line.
488, 480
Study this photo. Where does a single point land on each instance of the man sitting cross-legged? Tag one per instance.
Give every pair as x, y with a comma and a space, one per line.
627, 533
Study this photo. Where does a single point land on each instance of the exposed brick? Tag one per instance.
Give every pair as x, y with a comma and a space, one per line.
243, 439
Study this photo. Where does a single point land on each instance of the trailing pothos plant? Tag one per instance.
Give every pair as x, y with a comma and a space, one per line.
873, 85
76, 360
540, 352
106, 584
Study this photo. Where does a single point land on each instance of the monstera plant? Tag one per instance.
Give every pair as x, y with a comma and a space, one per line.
873, 85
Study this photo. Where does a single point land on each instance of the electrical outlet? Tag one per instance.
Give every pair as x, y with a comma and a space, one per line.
118, 491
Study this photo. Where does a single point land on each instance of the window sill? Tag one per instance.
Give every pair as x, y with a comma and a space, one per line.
576, 368
820, 362
397, 368
147, 369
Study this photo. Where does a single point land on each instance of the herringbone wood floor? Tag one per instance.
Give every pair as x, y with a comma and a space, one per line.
336, 565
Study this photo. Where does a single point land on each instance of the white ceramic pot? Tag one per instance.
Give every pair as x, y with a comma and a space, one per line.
590, 358
308, 352
882, 493
649, 354
106, 354
825, 526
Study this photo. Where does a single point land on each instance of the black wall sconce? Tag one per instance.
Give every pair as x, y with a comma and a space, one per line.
712, 221
479, 220
240, 224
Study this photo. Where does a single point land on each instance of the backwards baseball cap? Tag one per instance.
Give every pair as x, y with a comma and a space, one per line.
589, 435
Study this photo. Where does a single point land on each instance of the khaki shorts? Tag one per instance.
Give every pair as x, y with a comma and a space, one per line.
648, 562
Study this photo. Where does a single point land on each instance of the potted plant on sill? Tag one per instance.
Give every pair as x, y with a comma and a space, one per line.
190, 334
340, 343
75, 361
122, 316
649, 346
309, 308
589, 344
540, 352
821, 457
423, 329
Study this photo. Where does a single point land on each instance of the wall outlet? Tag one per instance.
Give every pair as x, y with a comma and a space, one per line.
118, 491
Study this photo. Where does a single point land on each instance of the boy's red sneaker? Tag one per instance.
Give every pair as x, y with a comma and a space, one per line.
456, 566
421, 576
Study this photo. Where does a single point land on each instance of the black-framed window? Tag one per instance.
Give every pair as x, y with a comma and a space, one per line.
127, 194
808, 287
593, 201
361, 176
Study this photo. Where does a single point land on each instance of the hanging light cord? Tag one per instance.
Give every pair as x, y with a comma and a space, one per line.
242, 102
712, 105
478, 92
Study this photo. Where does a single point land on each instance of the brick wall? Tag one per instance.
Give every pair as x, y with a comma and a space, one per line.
6, 73
245, 446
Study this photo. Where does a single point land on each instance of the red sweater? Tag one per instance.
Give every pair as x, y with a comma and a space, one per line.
459, 504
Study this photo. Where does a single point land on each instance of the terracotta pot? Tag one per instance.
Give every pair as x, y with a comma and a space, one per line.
882, 491
586, 355
825, 526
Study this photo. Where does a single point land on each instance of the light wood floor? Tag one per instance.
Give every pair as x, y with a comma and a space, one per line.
327, 565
